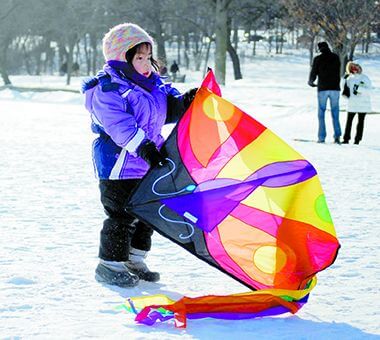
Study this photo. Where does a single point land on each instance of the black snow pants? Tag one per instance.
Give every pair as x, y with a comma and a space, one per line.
359, 127
120, 229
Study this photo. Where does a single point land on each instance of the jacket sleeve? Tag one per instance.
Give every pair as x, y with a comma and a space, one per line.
313, 71
175, 104
117, 119
175, 108
361, 85
366, 87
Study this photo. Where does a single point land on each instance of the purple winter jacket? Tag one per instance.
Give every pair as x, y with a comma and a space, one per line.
124, 115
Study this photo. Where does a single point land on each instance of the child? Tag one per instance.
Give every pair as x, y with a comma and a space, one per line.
129, 104
359, 100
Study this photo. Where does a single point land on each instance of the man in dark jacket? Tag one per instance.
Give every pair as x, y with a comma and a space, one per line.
326, 67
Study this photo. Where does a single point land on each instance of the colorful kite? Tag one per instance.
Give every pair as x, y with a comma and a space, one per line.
239, 198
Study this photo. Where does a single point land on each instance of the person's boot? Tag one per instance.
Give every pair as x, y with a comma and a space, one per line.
337, 140
115, 273
137, 266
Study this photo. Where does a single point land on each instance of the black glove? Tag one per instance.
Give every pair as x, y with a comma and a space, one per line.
355, 89
149, 153
310, 83
188, 97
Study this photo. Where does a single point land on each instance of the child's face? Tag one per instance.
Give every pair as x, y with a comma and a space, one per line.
142, 60
355, 68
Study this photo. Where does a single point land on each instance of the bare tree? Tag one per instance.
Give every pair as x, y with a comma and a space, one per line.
151, 15
232, 52
251, 16
221, 38
197, 30
9, 25
343, 22
70, 28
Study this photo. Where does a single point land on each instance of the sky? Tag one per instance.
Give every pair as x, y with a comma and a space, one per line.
51, 216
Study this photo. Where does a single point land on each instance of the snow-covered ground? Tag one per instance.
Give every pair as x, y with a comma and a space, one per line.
50, 218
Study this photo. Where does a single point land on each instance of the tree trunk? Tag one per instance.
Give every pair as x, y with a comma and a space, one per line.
282, 41
254, 44
232, 52
38, 62
351, 52
3, 61
221, 40
342, 53
277, 36
161, 54
70, 62
207, 56
235, 38
26, 57
293, 37
49, 62
311, 50
62, 56
4, 75
197, 53
87, 54
93, 43
270, 39
368, 39
235, 61
179, 49
313, 35
186, 50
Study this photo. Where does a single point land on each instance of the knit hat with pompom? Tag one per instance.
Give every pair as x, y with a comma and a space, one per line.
122, 38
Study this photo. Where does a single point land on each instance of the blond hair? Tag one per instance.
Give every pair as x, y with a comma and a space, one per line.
351, 65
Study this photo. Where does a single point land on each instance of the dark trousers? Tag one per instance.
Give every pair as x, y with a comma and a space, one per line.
359, 127
120, 229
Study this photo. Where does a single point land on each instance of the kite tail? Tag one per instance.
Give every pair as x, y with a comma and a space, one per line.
268, 302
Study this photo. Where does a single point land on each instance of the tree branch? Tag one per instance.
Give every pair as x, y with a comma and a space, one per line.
9, 12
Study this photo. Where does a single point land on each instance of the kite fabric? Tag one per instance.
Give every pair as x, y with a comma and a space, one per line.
239, 198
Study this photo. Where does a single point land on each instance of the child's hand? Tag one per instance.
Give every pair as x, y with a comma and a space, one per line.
149, 153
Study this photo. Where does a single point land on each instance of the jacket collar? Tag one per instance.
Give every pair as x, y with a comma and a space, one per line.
127, 71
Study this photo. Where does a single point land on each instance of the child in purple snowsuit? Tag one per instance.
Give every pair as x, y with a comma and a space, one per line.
129, 104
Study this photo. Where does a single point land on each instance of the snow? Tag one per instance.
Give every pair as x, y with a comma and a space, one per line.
50, 218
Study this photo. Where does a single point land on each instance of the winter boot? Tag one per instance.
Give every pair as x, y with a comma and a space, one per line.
115, 273
137, 266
